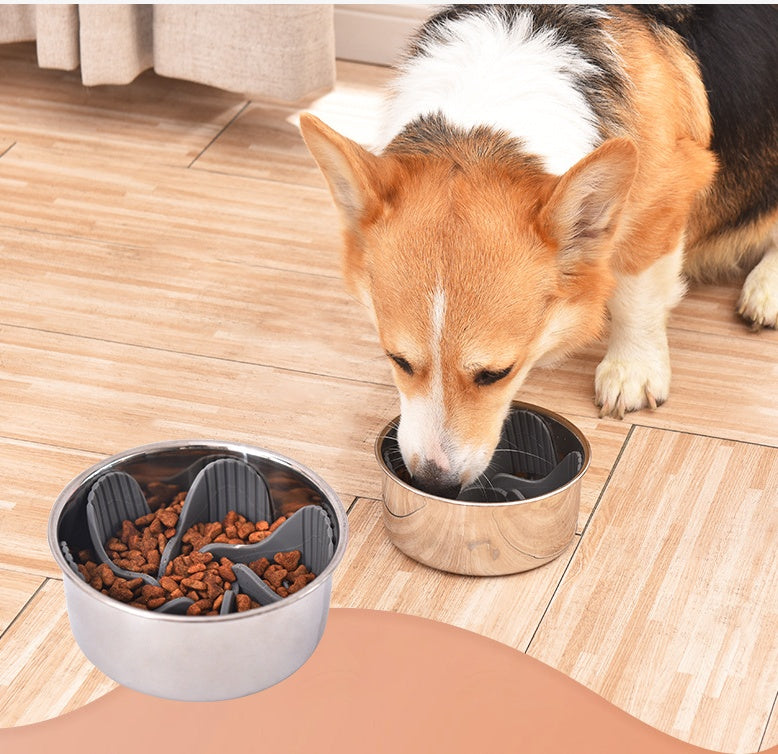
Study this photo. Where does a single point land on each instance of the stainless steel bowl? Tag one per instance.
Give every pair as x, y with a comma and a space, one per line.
197, 658
484, 539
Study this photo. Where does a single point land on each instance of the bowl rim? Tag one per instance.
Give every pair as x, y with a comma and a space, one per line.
515, 404
250, 451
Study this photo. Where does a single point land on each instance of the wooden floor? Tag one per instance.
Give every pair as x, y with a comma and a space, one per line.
169, 269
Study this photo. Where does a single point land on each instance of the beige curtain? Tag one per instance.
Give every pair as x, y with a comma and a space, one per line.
283, 52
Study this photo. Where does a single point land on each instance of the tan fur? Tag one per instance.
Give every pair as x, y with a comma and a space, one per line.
670, 125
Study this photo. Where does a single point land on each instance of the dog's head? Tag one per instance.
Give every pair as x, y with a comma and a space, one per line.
476, 265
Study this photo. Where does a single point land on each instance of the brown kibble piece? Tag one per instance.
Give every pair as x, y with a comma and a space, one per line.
106, 574
274, 575
168, 517
144, 520
259, 566
226, 572
196, 584
297, 584
149, 591
119, 592
114, 545
289, 560
242, 602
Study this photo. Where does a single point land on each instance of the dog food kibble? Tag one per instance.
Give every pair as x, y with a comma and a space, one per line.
138, 547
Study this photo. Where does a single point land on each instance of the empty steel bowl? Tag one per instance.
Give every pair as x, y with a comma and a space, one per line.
196, 658
504, 535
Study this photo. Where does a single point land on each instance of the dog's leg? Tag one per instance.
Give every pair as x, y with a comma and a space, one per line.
758, 301
635, 372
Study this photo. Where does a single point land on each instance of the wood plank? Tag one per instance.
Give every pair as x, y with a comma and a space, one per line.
722, 386
668, 609
152, 119
33, 476
710, 309
374, 574
264, 140
235, 220
43, 673
103, 397
181, 300
15, 589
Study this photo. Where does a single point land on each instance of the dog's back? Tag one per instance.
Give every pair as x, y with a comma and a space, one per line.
736, 48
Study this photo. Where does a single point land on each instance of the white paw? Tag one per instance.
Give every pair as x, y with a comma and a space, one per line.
758, 301
622, 385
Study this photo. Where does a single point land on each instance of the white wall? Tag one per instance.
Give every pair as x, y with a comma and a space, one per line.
376, 33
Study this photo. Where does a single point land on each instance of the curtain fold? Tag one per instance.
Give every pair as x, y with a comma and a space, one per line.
282, 52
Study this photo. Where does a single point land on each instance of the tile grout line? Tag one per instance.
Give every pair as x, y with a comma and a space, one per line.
221, 131
353, 503
707, 437
24, 607
773, 710
190, 354
581, 536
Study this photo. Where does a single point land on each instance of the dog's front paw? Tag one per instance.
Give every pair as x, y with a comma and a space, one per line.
758, 303
622, 385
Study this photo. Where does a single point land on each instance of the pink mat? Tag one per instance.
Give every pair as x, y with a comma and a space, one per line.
378, 682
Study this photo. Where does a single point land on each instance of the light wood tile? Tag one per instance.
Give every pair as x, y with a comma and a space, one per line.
217, 219
722, 386
376, 575
179, 300
43, 673
151, 119
15, 590
104, 397
669, 607
710, 309
33, 476
264, 140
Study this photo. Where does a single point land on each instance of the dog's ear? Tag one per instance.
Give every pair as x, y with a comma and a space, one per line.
350, 170
586, 204
353, 175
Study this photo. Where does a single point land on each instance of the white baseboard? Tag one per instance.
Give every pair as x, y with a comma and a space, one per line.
376, 33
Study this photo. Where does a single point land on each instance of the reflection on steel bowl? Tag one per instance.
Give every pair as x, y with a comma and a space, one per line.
521, 514
198, 658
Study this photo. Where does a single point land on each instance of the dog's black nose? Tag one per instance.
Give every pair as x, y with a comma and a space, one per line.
432, 479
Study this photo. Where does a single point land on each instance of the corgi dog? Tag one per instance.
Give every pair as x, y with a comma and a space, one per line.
544, 175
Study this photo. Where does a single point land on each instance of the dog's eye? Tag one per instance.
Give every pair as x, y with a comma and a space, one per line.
489, 376
401, 362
